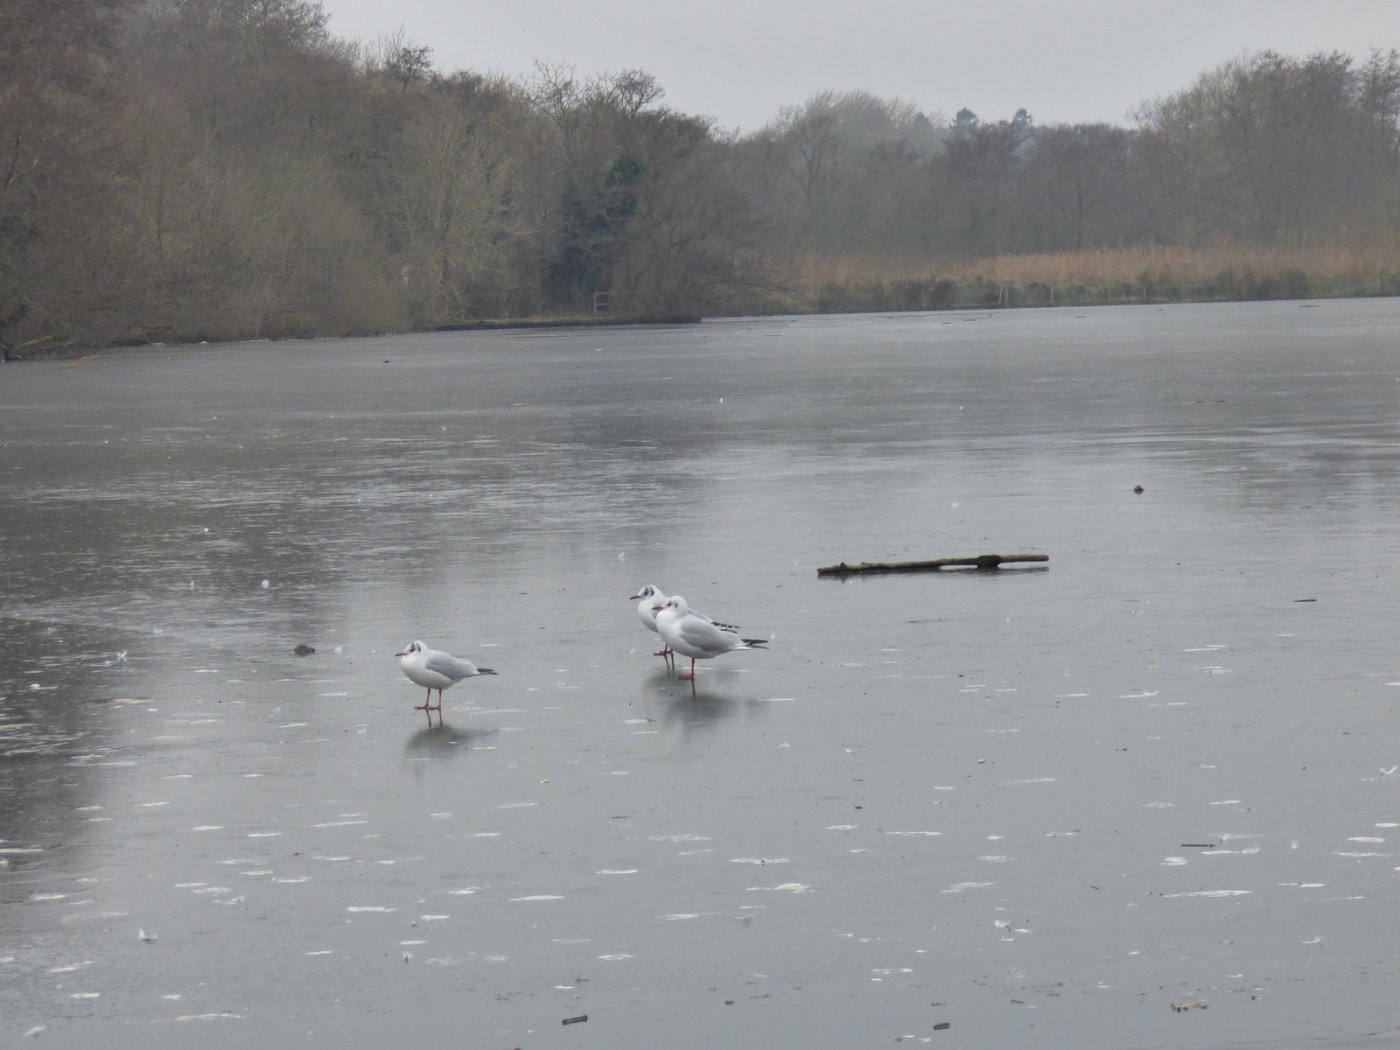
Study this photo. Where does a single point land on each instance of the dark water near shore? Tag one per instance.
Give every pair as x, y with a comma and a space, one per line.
1040, 806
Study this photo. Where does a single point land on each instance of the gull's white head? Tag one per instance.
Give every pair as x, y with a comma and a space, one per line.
412, 647
646, 592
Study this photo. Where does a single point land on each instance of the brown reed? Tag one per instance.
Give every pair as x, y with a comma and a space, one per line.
1109, 266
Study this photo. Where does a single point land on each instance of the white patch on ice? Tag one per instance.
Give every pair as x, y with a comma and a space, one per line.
1211, 893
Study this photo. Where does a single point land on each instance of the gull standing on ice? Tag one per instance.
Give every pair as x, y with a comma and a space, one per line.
695, 636
651, 600
433, 669
648, 600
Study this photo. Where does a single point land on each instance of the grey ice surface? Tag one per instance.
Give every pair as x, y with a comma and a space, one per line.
1041, 805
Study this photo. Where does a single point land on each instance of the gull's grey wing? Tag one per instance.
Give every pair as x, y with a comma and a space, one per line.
450, 666
701, 634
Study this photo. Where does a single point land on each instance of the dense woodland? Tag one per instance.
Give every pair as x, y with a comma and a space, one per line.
186, 169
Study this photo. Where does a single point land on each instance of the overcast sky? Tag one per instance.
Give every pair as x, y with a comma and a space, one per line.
741, 61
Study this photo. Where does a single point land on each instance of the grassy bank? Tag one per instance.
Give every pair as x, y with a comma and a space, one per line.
864, 283
597, 320
1130, 275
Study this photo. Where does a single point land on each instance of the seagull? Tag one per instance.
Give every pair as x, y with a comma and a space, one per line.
696, 636
649, 600
435, 670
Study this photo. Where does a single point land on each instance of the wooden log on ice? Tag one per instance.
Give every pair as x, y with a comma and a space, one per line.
980, 561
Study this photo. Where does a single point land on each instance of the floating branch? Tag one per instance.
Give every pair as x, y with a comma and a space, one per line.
981, 561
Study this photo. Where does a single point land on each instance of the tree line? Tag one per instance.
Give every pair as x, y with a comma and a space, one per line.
187, 169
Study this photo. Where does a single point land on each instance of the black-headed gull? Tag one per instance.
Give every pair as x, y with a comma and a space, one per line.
434, 669
648, 600
695, 636
651, 600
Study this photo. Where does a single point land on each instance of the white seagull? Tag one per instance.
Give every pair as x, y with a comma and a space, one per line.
651, 600
648, 600
433, 669
696, 636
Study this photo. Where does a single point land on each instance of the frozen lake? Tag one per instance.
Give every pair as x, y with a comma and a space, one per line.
1037, 807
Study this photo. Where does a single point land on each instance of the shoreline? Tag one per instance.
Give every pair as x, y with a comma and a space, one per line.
855, 297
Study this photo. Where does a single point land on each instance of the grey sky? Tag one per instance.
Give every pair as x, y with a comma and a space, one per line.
741, 61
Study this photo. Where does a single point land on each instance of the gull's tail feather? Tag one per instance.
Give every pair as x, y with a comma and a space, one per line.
754, 643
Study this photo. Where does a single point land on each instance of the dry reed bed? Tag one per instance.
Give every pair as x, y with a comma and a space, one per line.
1107, 266
1146, 273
